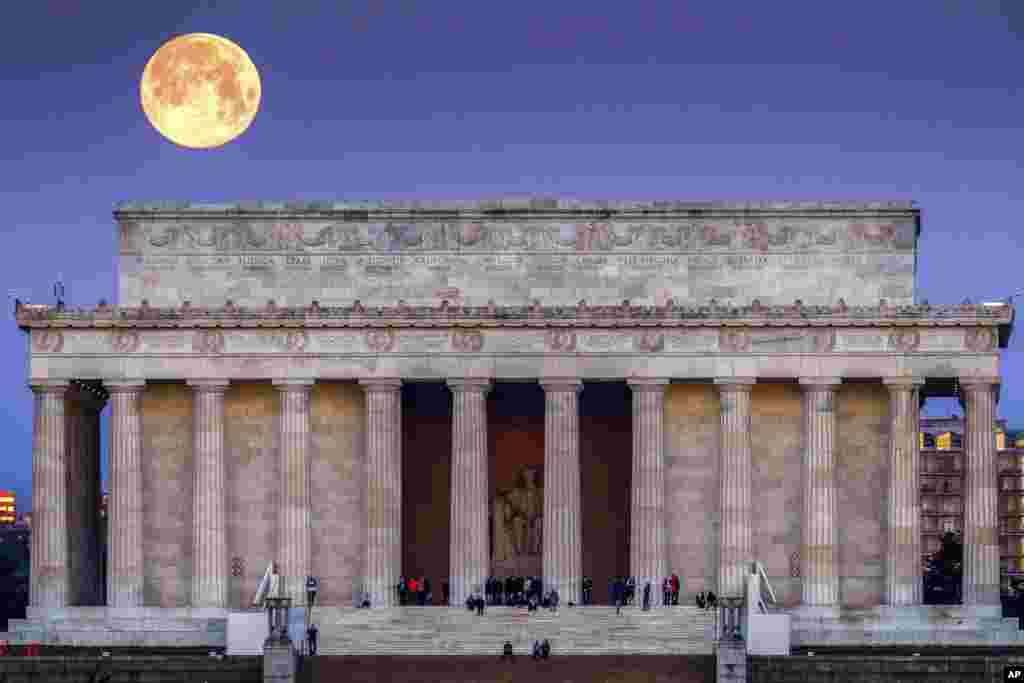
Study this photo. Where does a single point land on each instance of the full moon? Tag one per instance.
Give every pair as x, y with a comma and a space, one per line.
200, 90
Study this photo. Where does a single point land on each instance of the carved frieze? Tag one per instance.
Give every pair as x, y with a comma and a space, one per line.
295, 341
904, 339
733, 340
380, 340
47, 341
208, 341
980, 339
649, 341
467, 341
124, 341
560, 340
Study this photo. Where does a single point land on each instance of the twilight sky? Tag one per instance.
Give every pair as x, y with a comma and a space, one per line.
718, 99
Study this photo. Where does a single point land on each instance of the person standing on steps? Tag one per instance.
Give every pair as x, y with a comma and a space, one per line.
675, 589
311, 635
647, 596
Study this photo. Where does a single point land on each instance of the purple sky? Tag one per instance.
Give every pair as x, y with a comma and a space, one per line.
917, 99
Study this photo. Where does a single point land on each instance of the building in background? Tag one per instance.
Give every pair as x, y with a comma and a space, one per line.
8, 514
942, 488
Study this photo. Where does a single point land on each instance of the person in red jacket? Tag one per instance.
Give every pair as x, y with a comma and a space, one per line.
675, 589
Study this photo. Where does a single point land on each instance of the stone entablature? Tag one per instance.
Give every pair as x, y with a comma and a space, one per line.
515, 251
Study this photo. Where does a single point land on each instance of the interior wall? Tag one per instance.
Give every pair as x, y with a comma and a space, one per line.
337, 476
167, 463
253, 484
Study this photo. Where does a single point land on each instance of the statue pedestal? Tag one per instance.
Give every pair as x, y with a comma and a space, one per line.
279, 661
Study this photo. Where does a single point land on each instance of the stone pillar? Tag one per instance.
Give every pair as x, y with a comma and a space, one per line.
903, 581
209, 521
82, 414
647, 560
383, 490
563, 538
818, 545
293, 520
736, 549
49, 550
981, 515
469, 547
124, 549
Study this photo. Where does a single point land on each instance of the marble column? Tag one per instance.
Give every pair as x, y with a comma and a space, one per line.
383, 490
562, 535
124, 548
903, 582
647, 552
981, 515
293, 520
818, 544
469, 547
209, 521
736, 467
82, 413
49, 546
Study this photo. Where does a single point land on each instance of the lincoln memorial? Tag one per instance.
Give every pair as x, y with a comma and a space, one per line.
361, 391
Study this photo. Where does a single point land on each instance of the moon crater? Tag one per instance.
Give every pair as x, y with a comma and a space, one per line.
200, 90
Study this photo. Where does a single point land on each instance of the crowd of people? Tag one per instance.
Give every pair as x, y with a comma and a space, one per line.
527, 591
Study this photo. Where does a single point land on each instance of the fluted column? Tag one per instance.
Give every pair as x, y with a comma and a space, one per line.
124, 549
563, 539
293, 521
383, 489
91, 493
49, 551
469, 547
818, 546
981, 516
736, 543
903, 581
647, 560
209, 526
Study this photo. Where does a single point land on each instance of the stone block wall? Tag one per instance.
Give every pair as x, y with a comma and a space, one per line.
253, 480
167, 463
337, 488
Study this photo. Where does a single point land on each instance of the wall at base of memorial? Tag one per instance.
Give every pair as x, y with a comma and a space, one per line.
691, 485
167, 500
254, 482
337, 468
777, 487
862, 439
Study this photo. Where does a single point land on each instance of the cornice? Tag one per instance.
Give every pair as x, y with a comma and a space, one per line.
536, 315
539, 207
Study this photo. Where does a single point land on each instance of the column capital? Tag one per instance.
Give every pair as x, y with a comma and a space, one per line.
209, 385
730, 384
124, 386
469, 384
656, 384
551, 384
381, 383
299, 385
49, 386
821, 383
903, 383
975, 383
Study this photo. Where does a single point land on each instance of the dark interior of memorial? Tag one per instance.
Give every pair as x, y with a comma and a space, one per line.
515, 425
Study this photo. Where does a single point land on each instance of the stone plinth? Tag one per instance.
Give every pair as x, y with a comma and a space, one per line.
294, 515
125, 512
647, 560
383, 489
209, 528
562, 536
469, 556
279, 661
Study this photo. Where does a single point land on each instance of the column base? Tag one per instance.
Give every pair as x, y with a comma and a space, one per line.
812, 612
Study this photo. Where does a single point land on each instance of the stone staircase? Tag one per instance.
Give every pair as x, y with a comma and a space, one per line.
596, 630
145, 627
